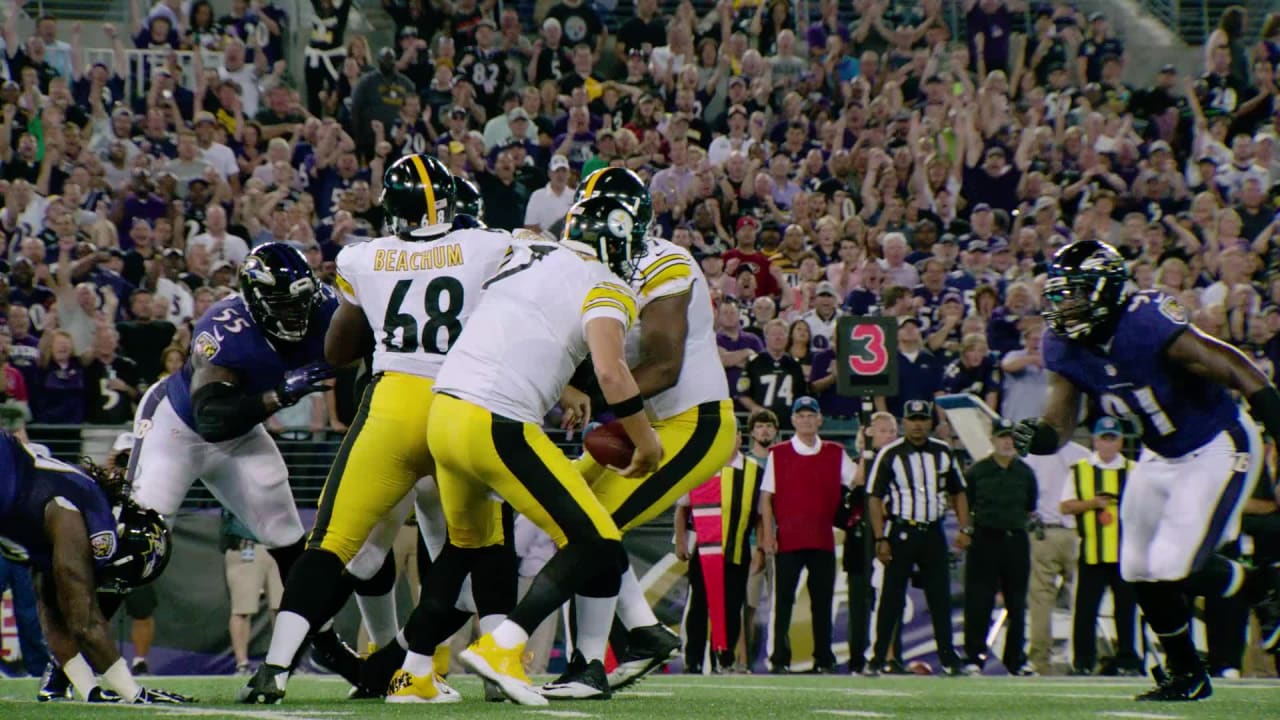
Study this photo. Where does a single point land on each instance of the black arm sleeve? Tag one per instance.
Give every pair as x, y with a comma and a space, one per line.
223, 412
1265, 406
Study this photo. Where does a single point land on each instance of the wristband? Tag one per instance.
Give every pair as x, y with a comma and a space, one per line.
882, 539
628, 407
118, 678
80, 674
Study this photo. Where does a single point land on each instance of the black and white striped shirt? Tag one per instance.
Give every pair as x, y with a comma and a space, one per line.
914, 480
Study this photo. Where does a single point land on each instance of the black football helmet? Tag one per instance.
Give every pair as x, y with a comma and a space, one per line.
143, 547
606, 225
467, 200
418, 195
280, 289
624, 185
1085, 291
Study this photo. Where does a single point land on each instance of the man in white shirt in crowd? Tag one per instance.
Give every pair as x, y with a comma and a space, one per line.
215, 153
221, 244
550, 203
1054, 548
822, 318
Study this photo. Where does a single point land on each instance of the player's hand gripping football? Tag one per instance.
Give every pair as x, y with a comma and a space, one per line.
151, 696
307, 379
1023, 432
645, 458
577, 408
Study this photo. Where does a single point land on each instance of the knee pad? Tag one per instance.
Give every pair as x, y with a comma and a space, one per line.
382, 582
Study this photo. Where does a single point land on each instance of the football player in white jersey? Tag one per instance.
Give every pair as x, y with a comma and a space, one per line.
406, 298
676, 364
542, 313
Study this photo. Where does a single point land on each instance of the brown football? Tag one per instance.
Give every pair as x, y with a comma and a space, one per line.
609, 444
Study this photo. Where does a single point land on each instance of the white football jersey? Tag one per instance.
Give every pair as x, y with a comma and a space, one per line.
665, 270
418, 294
528, 335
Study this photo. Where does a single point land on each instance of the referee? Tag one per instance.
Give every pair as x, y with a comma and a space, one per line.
911, 481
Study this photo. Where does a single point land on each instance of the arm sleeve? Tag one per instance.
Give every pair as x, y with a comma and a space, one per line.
344, 277
767, 484
1068, 487
955, 479
848, 469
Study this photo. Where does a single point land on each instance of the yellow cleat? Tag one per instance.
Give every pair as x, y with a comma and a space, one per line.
408, 688
440, 660
503, 667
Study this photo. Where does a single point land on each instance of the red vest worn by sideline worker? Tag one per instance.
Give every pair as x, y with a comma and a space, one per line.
807, 493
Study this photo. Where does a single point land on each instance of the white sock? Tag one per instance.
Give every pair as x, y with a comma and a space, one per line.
508, 635
327, 626
489, 623
118, 678
290, 632
595, 617
417, 664
138, 659
81, 675
633, 606
401, 640
379, 613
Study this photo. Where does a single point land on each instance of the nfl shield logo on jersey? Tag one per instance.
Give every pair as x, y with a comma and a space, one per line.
103, 544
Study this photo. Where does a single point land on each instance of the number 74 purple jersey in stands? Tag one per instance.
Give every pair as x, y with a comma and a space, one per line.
1180, 412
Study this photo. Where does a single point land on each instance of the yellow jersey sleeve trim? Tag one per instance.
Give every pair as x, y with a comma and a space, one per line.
345, 289
663, 264
608, 294
670, 274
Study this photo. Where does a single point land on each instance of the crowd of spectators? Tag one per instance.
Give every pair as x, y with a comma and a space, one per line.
873, 162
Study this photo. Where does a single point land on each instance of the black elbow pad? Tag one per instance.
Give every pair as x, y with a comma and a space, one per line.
223, 412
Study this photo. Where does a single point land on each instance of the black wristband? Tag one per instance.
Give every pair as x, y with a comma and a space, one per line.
1044, 441
1264, 405
882, 539
628, 407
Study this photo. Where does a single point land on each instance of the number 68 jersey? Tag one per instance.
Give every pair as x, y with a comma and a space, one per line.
1180, 412
418, 294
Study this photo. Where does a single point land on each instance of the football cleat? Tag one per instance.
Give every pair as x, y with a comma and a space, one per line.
408, 688
54, 686
581, 680
648, 648
502, 666
329, 652
1177, 687
266, 687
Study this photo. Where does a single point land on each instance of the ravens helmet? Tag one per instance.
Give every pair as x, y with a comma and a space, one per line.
280, 289
606, 225
1085, 290
624, 185
418, 195
143, 545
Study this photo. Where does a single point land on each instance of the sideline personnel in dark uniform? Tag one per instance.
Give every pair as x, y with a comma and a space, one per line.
1093, 496
1002, 495
911, 482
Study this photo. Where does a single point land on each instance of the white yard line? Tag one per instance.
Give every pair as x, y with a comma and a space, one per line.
561, 713
854, 713
874, 692
1138, 715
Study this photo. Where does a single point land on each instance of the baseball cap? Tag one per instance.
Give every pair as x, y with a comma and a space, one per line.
737, 79
559, 162
408, 31
457, 111
947, 239
123, 111
805, 403
1107, 425
1168, 69
999, 245
124, 441
904, 319
1096, 16
205, 116
747, 220
456, 147
221, 265
1001, 427
487, 21
981, 207
1045, 202
826, 288
917, 408
952, 296
517, 113
977, 246
737, 110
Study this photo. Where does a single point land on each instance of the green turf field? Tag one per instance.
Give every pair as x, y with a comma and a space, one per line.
675, 697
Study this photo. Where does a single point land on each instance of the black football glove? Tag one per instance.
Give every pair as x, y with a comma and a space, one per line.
303, 381
149, 696
1023, 433
102, 695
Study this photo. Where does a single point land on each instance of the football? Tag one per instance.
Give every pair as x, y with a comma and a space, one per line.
609, 444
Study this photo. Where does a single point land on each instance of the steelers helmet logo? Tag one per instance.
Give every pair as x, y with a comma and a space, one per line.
620, 223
